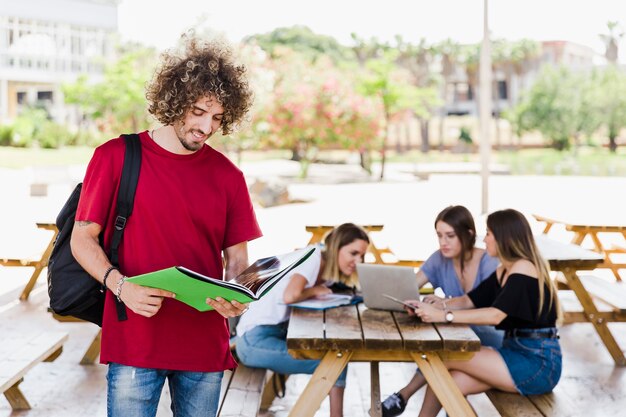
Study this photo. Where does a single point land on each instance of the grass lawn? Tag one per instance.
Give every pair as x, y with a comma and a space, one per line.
586, 161
23, 157
591, 161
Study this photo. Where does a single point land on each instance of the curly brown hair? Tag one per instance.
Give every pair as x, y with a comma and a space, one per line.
204, 68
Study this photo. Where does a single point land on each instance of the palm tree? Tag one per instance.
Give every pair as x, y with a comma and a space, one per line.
470, 57
417, 59
524, 57
448, 52
611, 41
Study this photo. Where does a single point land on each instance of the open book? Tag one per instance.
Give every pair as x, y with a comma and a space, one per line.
327, 301
193, 288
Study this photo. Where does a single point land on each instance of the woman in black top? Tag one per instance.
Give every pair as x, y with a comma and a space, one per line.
518, 298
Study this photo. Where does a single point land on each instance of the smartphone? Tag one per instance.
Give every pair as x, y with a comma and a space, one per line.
399, 301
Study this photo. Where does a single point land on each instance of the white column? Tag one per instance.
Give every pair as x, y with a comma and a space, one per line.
485, 110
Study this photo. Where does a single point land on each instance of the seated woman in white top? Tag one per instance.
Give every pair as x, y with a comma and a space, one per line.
262, 331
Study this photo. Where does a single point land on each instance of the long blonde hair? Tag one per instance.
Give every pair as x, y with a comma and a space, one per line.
515, 241
336, 239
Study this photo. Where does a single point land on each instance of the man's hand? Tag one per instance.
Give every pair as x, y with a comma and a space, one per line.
144, 301
227, 308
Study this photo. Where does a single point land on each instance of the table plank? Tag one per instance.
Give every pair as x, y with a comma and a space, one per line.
589, 223
566, 255
379, 329
458, 337
306, 329
343, 330
417, 336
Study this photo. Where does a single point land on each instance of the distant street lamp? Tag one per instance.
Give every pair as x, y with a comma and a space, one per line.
485, 110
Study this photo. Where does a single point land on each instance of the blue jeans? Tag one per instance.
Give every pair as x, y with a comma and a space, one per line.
534, 364
265, 346
489, 336
135, 392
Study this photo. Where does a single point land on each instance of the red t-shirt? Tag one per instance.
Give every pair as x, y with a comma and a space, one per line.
187, 210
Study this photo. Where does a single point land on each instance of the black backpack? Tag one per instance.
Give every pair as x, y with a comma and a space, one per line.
72, 291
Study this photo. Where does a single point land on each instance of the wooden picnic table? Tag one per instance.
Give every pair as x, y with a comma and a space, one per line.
355, 333
38, 263
586, 227
569, 259
319, 231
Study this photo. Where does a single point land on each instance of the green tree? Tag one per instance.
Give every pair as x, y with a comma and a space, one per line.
392, 86
448, 53
560, 105
315, 105
250, 134
611, 41
303, 40
28, 125
610, 99
418, 59
117, 104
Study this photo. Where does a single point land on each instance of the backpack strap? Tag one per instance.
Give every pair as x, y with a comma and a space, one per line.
125, 202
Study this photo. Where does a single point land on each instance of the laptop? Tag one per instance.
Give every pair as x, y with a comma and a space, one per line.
397, 281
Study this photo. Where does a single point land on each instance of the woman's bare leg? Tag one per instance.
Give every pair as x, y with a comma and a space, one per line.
487, 366
466, 383
417, 382
485, 370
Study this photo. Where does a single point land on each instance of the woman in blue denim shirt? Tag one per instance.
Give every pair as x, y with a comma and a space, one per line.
518, 298
457, 268
262, 331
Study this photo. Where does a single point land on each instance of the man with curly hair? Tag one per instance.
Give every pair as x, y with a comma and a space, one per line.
191, 206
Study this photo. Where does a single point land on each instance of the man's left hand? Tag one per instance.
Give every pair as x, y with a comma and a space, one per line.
227, 308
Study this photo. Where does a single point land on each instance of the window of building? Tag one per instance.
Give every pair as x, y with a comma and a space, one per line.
44, 96
21, 97
503, 93
462, 92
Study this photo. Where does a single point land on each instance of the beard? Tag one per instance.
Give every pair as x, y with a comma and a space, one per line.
188, 144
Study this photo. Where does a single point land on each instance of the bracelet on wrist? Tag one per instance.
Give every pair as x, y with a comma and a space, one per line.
118, 288
106, 275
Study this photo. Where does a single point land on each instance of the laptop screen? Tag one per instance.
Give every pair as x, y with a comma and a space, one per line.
397, 281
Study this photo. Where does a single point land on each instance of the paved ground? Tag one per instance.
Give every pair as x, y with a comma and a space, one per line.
334, 194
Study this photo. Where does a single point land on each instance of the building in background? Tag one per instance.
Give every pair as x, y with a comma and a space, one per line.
510, 80
44, 43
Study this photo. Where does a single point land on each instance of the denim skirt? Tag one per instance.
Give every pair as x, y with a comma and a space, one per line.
534, 364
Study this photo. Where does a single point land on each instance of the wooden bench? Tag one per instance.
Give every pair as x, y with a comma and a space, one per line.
516, 405
18, 354
318, 232
611, 293
34, 261
245, 391
608, 297
93, 351
424, 170
573, 311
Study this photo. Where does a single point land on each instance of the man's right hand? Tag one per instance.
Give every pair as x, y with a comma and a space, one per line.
144, 301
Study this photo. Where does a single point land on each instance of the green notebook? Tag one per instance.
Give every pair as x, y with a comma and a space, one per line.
193, 288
